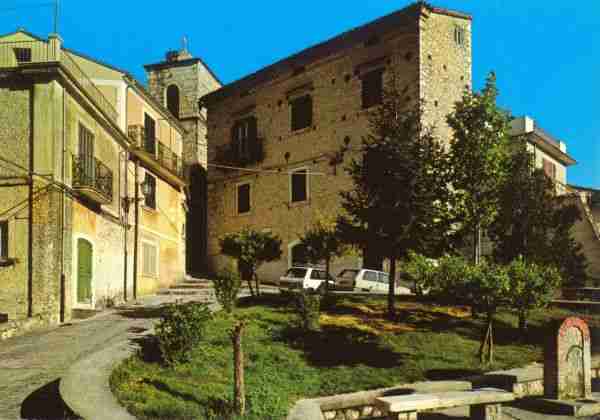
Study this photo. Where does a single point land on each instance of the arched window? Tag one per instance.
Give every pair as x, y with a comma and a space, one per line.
173, 100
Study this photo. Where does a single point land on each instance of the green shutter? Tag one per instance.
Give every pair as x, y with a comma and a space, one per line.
84, 271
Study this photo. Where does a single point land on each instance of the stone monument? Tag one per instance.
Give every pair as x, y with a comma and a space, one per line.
568, 370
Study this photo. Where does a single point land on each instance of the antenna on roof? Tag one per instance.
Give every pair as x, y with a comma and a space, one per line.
56, 14
185, 43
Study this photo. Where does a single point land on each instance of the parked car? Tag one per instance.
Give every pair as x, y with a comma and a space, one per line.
305, 278
367, 280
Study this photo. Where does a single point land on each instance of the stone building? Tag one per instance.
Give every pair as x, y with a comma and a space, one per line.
82, 142
291, 127
178, 83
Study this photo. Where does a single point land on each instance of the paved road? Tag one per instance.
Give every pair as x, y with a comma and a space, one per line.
31, 366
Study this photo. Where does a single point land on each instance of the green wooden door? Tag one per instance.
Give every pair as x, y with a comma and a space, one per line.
84, 271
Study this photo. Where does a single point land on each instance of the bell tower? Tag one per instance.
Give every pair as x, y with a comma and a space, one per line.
178, 83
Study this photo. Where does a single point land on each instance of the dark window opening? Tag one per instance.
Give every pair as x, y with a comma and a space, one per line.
549, 169
150, 198
149, 134
23, 55
459, 35
86, 155
243, 198
302, 112
372, 88
3, 240
173, 100
244, 138
299, 186
299, 258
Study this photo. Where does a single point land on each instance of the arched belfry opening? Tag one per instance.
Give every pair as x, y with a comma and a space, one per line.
173, 100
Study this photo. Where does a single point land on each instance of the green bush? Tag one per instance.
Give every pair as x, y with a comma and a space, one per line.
420, 270
180, 329
227, 286
308, 305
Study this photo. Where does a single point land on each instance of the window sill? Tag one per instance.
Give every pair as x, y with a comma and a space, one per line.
299, 203
248, 213
149, 209
7, 262
301, 131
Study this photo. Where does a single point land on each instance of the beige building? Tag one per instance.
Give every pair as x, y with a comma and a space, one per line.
81, 141
291, 126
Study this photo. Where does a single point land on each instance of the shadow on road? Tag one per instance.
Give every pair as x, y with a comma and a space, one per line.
45, 403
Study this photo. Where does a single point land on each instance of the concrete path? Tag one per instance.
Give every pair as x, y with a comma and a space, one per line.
31, 366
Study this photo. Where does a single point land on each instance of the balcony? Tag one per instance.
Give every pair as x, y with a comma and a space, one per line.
93, 179
15, 55
250, 152
157, 156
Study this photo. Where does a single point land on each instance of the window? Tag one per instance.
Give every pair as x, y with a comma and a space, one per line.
370, 276
173, 100
317, 275
23, 55
3, 240
549, 168
459, 35
243, 198
299, 186
86, 154
296, 273
372, 88
384, 278
149, 260
243, 137
301, 112
150, 198
149, 134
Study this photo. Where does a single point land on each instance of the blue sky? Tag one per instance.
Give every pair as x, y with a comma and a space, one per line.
545, 53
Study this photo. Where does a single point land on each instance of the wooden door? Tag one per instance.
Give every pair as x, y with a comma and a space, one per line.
84, 271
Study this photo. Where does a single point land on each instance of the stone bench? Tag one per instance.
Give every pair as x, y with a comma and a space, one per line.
485, 403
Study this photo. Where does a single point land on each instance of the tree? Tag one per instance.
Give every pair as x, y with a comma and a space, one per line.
251, 249
321, 242
530, 287
479, 149
239, 392
533, 222
399, 200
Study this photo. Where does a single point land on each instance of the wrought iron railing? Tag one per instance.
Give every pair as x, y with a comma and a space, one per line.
167, 158
233, 154
93, 174
15, 54
160, 152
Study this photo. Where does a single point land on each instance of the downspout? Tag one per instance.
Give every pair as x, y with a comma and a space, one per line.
126, 205
136, 231
30, 205
62, 217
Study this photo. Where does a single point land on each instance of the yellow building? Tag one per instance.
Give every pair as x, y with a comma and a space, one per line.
81, 142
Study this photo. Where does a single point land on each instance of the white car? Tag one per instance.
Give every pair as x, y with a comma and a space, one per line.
305, 278
367, 281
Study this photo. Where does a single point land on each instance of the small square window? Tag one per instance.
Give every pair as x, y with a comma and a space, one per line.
23, 55
299, 186
243, 198
3, 240
372, 88
459, 35
150, 198
302, 112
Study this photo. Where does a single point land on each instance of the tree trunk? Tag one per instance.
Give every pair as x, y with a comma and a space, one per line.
391, 289
327, 264
522, 322
257, 282
239, 397
249, 280
477, 244
487, 345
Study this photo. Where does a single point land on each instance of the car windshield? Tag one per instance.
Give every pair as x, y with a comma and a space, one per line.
348, 274
296, 273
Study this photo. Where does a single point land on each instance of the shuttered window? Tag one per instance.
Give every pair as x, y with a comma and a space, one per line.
243, 198
244, 135
372, 88
86, 154
299, 185
149, 260
150, 198
549, 168
149, 134
3, 240
302, 112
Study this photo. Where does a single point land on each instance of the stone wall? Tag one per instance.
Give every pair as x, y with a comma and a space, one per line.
335, 86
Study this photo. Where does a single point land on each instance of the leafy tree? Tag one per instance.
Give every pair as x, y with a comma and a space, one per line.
533, 222
321, 242
227, 285
421, 271
400, 193
530, 287
479, 149
251, 249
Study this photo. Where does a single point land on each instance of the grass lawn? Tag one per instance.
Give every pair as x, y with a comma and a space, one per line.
357, 349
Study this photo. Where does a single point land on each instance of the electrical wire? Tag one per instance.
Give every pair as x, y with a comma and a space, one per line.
26, 6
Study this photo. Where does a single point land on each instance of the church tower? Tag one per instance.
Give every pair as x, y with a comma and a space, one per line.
178, 83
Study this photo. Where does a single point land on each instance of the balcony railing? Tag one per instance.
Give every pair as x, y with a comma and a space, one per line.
156, 150
16, 54
93, 179
234, 154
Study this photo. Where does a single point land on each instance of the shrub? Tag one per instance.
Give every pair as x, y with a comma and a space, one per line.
227, 286
180, 329
308, 305
421, 271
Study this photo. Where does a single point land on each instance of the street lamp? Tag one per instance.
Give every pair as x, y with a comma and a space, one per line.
145, 190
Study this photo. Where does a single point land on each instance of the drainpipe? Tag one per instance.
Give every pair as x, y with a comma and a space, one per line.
136, 231
126, 205
62, 217
30, 205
